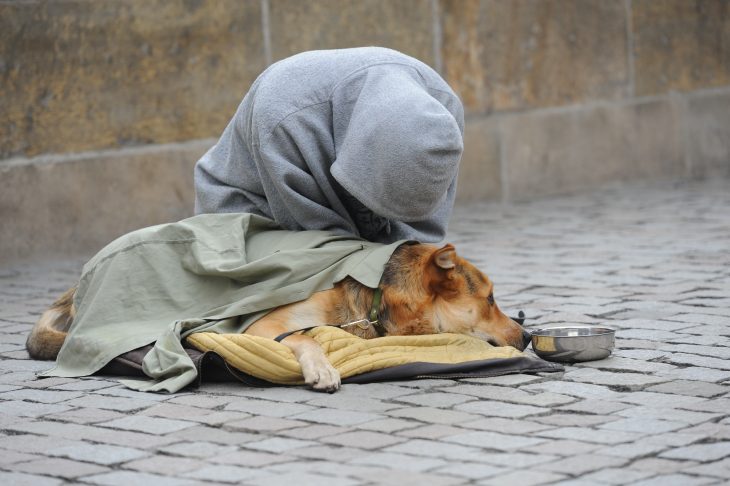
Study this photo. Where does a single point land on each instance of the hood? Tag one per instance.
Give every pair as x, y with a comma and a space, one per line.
401, 149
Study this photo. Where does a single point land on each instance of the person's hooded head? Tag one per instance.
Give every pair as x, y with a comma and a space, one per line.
399, 150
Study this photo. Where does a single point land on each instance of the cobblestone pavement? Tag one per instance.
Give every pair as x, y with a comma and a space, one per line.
653, 262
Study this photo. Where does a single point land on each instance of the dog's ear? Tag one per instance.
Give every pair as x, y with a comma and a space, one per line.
445, 257
441, 270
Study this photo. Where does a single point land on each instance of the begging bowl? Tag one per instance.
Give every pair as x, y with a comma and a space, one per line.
573, 343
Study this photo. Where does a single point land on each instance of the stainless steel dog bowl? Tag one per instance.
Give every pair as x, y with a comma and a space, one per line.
573, 343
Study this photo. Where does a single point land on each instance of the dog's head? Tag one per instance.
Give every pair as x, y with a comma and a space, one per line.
430, 290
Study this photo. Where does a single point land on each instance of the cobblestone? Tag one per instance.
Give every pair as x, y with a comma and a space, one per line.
11, 457
336, 417
675, 480
633, 381
354, 403
164, 465
582, 464
225, 474
715, 430
592, 406
264, 424
119, 404
400, 461
197, 449
523, 478
433, 415
617, 476
91, 433
123, 478
279, 444
248, 458
674, 414
342, 453
21, 479
632, 451
152, 425
214, 434
85, 415
388, 425
563, 447
591, 435
719, 469
680, 438
494, 440
268, 409
644, 425
98, 454
440, 449
498, 409
364, 439
575, 420
34, 444
29, 409
516, 460
303, 479
471, 470
699, 374
42, 396
62, 468
700, 452
315, 431
432, 431
507, 426
720, 405
691, 388
439, 400
653, 262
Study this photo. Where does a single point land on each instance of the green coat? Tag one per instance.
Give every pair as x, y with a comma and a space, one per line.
213, 272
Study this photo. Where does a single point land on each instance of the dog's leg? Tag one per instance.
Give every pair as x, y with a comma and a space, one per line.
318, 372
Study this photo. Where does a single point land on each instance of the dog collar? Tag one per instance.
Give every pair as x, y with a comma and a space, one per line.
372, 320
373, 317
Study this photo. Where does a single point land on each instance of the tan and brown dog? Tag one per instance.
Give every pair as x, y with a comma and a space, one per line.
425, 290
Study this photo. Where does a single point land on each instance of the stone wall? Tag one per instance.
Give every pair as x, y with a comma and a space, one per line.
107, 104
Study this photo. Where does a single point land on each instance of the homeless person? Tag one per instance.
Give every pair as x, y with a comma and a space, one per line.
362, 142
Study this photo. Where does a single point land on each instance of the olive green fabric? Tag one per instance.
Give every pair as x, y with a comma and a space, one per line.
214, 273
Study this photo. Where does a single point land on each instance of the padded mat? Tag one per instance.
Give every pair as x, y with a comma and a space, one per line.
353, 357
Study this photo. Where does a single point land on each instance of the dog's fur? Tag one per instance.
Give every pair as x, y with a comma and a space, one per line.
426, 290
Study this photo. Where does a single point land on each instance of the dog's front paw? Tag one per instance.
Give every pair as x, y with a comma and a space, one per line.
319, 373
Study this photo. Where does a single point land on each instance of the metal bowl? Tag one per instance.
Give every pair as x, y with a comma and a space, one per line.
573, 343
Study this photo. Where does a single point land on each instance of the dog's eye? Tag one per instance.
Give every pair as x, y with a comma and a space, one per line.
490, 299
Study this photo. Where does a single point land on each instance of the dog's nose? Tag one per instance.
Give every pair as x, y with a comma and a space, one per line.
526, 338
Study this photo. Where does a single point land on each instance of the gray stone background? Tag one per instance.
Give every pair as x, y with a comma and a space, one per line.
107, 104
594, 189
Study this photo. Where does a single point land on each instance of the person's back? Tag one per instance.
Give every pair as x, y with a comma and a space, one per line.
357, 141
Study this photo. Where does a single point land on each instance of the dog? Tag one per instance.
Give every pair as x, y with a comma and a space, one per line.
425, 290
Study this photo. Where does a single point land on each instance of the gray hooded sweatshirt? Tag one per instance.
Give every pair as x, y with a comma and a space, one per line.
362, 142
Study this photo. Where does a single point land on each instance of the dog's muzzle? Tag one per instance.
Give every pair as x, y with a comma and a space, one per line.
526, 336
526, 339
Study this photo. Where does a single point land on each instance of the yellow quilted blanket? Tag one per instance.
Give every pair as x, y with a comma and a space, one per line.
272, 361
